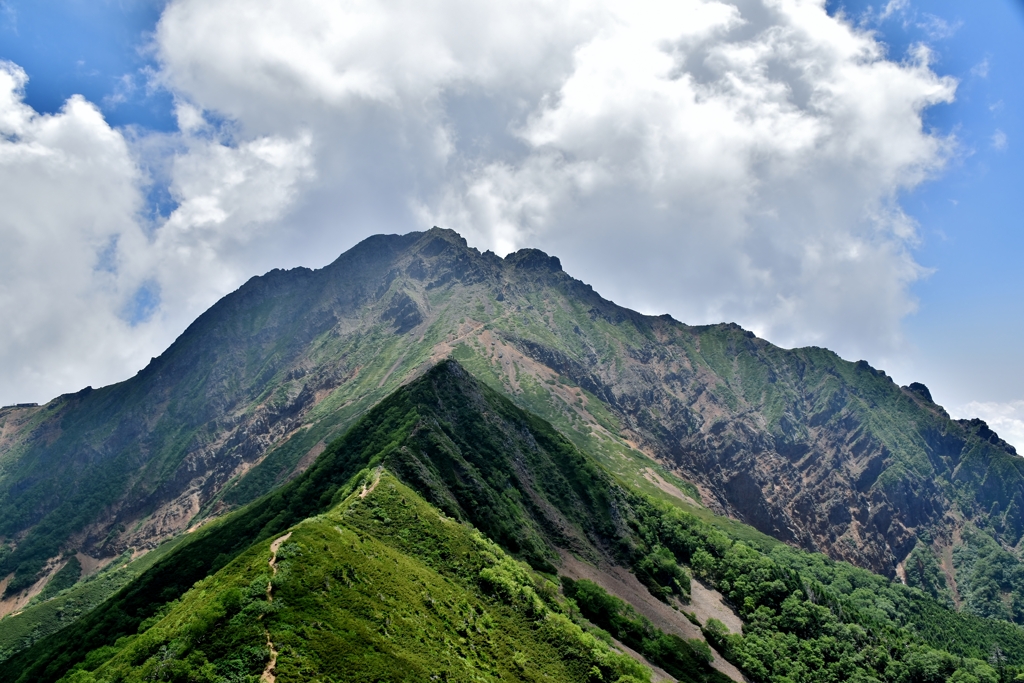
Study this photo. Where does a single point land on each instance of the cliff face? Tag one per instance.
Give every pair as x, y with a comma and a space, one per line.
815, 450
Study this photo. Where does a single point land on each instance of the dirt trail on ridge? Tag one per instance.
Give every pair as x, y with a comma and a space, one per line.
268, 673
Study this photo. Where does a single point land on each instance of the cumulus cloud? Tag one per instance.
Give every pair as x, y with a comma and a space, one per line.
1006, 419
229, 198
69, 191
745, 167
717, 160
91, 288
302, 58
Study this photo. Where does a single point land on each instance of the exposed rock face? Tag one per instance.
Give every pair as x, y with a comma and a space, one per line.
815, 450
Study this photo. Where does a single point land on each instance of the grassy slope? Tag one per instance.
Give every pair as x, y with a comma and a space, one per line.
800, 608
379, 435
252, 357
127, 442
40, 619
379, 588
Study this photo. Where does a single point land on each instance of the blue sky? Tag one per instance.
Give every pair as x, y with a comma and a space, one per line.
96, 48
972, 215
962, 339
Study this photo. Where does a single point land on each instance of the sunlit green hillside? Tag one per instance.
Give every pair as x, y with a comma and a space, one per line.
428, 542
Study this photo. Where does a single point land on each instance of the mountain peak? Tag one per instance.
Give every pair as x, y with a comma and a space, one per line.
447, 234
920, 390
805, 446
533, 259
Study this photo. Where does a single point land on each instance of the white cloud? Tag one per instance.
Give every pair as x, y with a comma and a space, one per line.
999, 140
274, 62
124, 89
69, 191
714, 160
1006, 419
84, 274
229, 198
743, 171
717, 160
937, 28
893, 7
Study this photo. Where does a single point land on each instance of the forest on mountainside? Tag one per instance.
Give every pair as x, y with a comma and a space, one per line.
436, 522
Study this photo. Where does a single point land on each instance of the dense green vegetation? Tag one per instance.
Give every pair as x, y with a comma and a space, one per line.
808, 618
52, 611
479, 460
923, 571
293, 359
991, 580
66, 577
412, 418
382, 587
209, 549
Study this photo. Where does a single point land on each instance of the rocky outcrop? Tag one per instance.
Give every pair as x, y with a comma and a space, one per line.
820, 452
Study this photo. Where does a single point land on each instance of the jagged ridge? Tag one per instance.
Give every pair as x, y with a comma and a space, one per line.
360, 558
817, 451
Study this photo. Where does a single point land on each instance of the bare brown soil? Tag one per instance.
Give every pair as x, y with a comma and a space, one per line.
707, 603
948, 569
91, 565
659, 481
622, 584
376, 480
311, 455
15, 604
268, 673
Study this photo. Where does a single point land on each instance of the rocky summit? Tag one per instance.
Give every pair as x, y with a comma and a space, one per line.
821, 453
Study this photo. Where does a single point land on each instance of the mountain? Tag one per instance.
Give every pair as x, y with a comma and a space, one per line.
394, 557
821, 453
443, 438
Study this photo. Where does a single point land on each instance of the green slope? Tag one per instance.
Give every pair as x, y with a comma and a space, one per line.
469, 451
397, 425
819, 452
381, 587
49, 614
